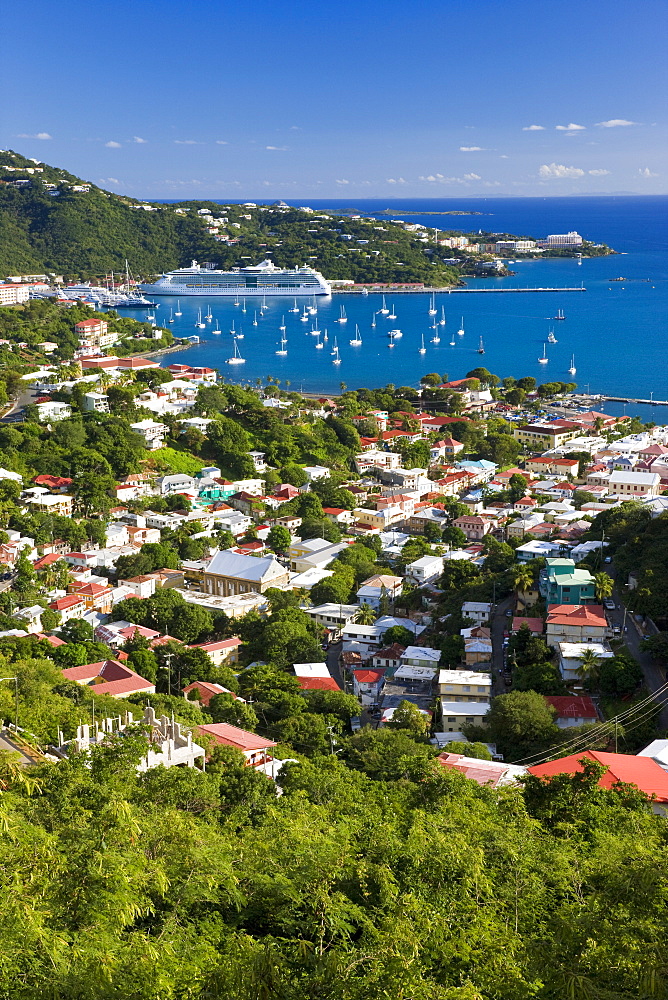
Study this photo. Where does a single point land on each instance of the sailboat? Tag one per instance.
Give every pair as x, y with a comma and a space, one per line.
392, 314
318, 345
314, 331
373, 322
282, 326
233, 331
383, 309
326, 336
481, 348
441, 321
239, 335
396, 334
313, 309
452, 342
335, 352
551, 339
560, 314
236, 300
432, 307
391, 336
342, 318
357, 339
199, 324
243, 305
295, 308
422, 349
436, 339
217, 329
171, 316
304, 316
178, 309
461, 330
572, 370
544, 359
209, 314
282, 350
236, 358
255, 318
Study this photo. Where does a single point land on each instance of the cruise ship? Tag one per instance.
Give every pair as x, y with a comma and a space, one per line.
258, 279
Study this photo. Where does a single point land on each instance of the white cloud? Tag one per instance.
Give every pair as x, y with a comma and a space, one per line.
441, 179
533, 128
491, 184
396, 180
112, 145
559, 170
599, 172
646, 172
615, 123
278, 148
570, 128
137, 138
472, 177
109, 180
35, 135
503, 156
221, 142
470, 149
343, 181
186, 142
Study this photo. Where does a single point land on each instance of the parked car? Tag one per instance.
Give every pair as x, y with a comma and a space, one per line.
609, 604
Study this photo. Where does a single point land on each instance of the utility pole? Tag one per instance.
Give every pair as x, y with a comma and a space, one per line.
168, 658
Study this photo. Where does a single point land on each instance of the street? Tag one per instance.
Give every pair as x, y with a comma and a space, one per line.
654, 674
500, 624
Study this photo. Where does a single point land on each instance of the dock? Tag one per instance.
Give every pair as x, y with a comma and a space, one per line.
388, 289
627, 399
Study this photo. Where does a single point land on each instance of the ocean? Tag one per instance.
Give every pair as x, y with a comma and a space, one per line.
615, 331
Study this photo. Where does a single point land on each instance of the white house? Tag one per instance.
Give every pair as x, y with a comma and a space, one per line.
371, 591
152, 433
368, 685
571, 653
53, 411
420, 656
479, 611
96, 402
426, 569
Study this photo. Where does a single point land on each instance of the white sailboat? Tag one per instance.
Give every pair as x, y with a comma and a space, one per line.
178, 309
572, 370
481, 348
391, 336
318, 345
461, 330
396, 334
236, 358
313, 309
544, 359
422, 349
236, 300
209, 314
383, 309
357, 339
282, 350
233, 331
560, 315
295, 308
199, 324
171, 316
335, 352
432, 306
436, 339
392, 314
441, 321
326, 336
452, 342
315, 329
551, 339
243, 306
342, 318
304, 316
255, 318
373, 322
282, 326
217, 329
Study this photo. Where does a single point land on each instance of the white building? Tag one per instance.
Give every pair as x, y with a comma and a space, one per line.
420, 656
96, 402
479, 611
53, 411
11, 295
634, 484
571, 653
153, 433
426, 569
464, 685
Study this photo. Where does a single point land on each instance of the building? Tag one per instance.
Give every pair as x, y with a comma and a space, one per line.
151, 432
388, 659
425, 570
643, 772
544, 437
473, 526
420, 656
253, 747
572, 239
572, 710
571, 653
69, 607
552, 466
110, 677
561, 582
204, 691
53, 411
12, 294
479, 611
94, 333
478, 650
224, 652
457, 714
368, 685
634, 485
52, 503
231, 573
96, 402
491, 773
373, 590
575, 623
464, 685
333, 617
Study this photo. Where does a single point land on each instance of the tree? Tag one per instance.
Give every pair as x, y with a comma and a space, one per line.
521, 724
76, 630
523, 581
603, 585
477, 750
293, 474
279, 538
226, 708
365, 615
224, 539
454, 537
93, 494
408, 716
431, 531
517, 487
398, 633
589, 667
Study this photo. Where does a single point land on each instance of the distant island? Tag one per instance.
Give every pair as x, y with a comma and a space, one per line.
412, 211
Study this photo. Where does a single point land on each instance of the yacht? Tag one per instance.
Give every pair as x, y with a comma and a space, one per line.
432, 307
199, 324
560, 315
461, 330
481, 347
391, 336
436, 339
551, 339
243, 306
313, 309
357, 339
282, 326
326, 336
383, 309
335, 352
217, 329
373, 322
318, 345
392, 314
255, 317
236, 358
342, 318
395, 334
544, 359
177, 311
295, 308
422, 349
441, 321
572, 370
257, 279
282, 350
233, 331
171, 316
209, 314
304, 316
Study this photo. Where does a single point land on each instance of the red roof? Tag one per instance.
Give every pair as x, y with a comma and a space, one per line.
483, 772
206, 690
392, 652
571, 706
535, 625
368, 676
643, 772
576, 614
54, 482
47, 561
318, 684
64, 603
212, 647
232, 736
109, 677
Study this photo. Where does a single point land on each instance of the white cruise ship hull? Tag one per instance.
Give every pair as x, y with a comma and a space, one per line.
245, 282
242, 291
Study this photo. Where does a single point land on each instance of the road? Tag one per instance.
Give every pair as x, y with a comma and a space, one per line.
655, 676
500, 624
24, 398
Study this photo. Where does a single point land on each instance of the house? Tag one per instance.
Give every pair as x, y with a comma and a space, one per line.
204, 691
339, 515
446, 447
59, 504
253, 747
491, 773
464, 685
230, 573
473, 526
31, 618
53, 411
560, 582
224, 651
457, 714
367, 637
141, 586
571, 653
634, 485
643, 772
477, 649
575, 623
94, 596
110, 677
314, 472
535, 625
545, 437
333, 616
317, 553
69, 607
368, 685
152, 433
96, 402
425, 570
552, 465
388, 659
479, 611
377, 588
658, 751
420, 656
572, 710
314, 677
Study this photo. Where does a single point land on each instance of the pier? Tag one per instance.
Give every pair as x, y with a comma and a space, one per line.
388, 289
627, 399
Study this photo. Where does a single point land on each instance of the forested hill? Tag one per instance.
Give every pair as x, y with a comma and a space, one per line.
48, 226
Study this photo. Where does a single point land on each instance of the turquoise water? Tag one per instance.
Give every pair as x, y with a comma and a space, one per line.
615, 330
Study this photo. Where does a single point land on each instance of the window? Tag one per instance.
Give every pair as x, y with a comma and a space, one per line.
469, 718
465, 687
452, 718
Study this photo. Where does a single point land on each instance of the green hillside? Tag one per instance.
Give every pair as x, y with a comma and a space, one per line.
48, 226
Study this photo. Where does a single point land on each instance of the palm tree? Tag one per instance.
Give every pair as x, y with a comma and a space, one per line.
343, 386
365, 615
589, 667
523, 581
603, 585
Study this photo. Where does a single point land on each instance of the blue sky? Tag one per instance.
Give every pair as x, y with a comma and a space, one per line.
376, 99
